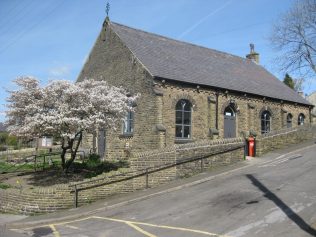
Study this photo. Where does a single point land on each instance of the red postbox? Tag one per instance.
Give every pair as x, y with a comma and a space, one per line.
251, 146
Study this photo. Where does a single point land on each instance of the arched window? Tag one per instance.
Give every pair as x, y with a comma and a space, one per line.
265, 122
183, 119
289, 120
128, 123
300, 120
229, 111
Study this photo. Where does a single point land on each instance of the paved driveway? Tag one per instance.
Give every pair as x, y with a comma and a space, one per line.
270, 198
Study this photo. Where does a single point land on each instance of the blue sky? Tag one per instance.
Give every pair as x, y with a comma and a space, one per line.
51, 39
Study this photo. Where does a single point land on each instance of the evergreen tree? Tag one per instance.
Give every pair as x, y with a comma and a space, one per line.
288, 80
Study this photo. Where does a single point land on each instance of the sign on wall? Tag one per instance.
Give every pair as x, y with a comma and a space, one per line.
45, 142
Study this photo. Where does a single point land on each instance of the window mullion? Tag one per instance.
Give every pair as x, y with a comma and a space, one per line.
182, 122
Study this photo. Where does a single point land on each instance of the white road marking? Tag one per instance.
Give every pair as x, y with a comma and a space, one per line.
279, 160
72, 227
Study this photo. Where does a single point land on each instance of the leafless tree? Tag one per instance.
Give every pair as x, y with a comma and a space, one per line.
294, 36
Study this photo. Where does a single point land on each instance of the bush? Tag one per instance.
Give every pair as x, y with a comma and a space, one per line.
4, 186
3, 137
95, 166
93, 161
12, 141
3, 148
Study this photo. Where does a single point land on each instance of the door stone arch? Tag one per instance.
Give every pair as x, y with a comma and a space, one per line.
229, 122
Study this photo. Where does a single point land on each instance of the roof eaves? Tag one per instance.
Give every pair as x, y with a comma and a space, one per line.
236, 91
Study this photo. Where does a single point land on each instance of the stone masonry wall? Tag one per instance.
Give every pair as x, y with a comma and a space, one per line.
37, 201
112, 61
248, 110
43, 200
283, 138
215, 153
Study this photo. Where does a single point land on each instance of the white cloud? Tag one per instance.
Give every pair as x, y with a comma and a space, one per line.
60, 71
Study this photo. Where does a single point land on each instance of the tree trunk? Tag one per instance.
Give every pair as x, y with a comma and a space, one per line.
71, 143
64, 148
63, 158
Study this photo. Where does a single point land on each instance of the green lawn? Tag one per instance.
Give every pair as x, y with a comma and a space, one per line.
90, 167
41, 163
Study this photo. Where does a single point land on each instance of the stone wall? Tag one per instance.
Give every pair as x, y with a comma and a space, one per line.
214, 153
36, 201
280, 139
112, 61
59, 197
43, 200
248, 110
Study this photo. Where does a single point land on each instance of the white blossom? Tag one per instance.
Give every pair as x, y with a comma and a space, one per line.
64, 109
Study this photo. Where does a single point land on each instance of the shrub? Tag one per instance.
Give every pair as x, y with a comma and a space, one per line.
4, 186
95, 166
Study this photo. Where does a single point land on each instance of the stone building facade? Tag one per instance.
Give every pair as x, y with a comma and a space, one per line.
312, 99
188, 93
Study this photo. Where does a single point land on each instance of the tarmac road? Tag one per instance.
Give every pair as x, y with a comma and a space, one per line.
271, 196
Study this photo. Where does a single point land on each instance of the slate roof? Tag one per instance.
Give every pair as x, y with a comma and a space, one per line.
185, 62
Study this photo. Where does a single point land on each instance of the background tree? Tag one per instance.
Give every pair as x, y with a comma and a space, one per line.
3, 138
298, 84
66, 110
294, 36
288, 81
2, 127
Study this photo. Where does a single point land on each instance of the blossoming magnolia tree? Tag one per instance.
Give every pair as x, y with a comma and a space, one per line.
66, 110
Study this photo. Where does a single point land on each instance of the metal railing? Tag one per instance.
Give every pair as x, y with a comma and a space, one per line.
142, 172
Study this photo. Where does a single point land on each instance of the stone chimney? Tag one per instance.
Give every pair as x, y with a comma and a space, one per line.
253, 56
301, 93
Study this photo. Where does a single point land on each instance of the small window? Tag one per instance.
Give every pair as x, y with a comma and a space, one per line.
229, 112
183, 119
128, 123
265, 122
301, 118
289, 120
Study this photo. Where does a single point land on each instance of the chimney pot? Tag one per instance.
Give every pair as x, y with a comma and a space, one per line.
301, 93
253, 55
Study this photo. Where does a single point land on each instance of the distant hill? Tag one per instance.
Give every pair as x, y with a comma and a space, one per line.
2, 127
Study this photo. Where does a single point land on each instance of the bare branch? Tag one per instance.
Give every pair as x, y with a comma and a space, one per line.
294, 37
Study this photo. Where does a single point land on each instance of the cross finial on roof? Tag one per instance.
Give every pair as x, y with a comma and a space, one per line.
107, 9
